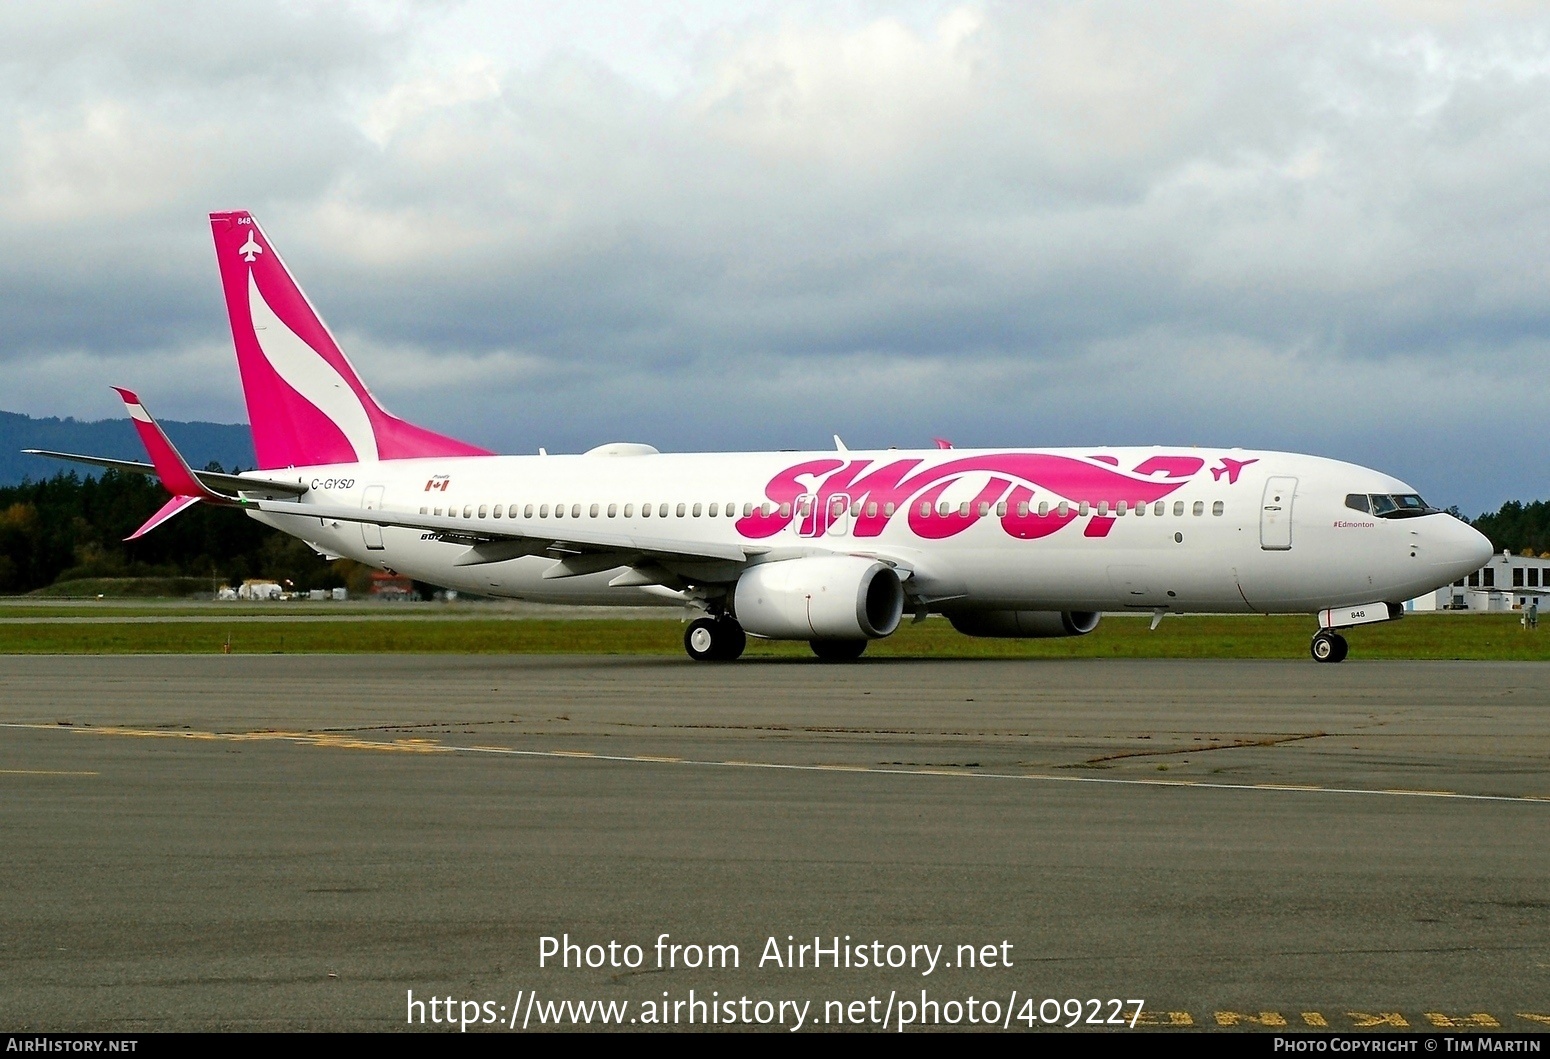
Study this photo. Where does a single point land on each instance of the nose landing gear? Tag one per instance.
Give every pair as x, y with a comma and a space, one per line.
714, 639
1328, 646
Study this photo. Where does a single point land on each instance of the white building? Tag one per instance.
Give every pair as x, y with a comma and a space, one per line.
1507, 582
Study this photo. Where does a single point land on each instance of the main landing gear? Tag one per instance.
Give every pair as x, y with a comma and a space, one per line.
1328, 646
714, 639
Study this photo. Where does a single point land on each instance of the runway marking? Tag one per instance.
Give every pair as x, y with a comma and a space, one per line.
421, 745
44, 772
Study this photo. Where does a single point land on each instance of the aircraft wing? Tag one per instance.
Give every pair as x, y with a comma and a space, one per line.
213, 480
568, 542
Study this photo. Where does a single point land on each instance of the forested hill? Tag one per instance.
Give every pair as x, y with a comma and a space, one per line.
230, 445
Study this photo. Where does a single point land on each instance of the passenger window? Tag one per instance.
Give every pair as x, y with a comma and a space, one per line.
925, 509
943, 508
1217, 508
764, 509
1178, 508
592, 512
1044, 509
1103, 507
1001, 509
438, 511
731, 509
662, 511
559, 510
468, 511
511, 512
613, 510
1022, 508
629, 510
645, 511
888, 509
855, 508
963, 509
423, 511
984, 508
696, 511
1357, 502
484, 511
747, 510
575, 511
543, 512
679, 511
871, 509
1200, 507
1160, 508
527, 512
715, 509
496, 511
785, 510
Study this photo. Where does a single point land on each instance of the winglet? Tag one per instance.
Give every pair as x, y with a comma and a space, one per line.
942, 443
170, 466
172, 507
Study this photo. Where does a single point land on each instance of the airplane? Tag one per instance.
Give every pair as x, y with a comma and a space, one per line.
831, 547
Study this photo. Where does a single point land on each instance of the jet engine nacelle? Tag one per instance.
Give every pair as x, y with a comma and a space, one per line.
820, 597
1025, 624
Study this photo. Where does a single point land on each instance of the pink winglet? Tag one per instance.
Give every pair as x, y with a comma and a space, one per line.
174, 473
170, 508
942, 443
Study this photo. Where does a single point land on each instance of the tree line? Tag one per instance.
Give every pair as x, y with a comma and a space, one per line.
70, 527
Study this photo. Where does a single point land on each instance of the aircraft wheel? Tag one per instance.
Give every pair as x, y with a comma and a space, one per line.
712, 640
1329, 647
838, 650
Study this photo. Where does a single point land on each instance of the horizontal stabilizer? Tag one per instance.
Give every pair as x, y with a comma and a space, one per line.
214, 480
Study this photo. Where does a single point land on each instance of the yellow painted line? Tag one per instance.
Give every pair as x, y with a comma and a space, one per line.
44, 772
428, 746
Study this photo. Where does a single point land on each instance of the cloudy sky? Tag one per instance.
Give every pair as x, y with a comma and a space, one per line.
1315, 226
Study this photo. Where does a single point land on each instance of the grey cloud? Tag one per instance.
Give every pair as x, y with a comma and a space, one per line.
1292, 225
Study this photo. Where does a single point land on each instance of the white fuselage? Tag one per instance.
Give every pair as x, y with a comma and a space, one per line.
1201, 530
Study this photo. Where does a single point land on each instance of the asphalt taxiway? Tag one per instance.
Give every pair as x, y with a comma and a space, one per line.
278, 842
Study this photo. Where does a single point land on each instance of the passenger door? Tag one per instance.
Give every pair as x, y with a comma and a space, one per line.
372, 501
1275, 515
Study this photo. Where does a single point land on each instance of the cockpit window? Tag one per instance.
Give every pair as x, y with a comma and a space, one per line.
1357, 502
1393, 505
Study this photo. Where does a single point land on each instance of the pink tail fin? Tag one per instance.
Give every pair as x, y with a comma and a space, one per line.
306, 404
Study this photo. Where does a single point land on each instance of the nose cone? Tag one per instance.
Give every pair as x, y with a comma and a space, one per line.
1456, 548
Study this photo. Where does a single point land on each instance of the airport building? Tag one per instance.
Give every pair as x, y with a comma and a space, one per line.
1507, 582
